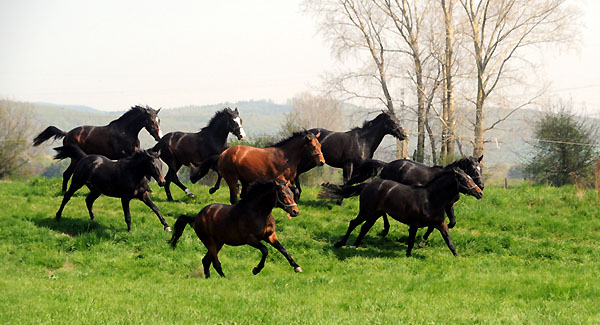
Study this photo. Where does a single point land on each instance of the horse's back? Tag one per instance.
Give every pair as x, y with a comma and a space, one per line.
402, 202
410, 172
100, 140
250, 163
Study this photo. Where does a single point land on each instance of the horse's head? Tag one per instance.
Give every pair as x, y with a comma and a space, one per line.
466, 184
151, 164
313, 146
152, 122
472, 166
234, 123
285, 197
391, 125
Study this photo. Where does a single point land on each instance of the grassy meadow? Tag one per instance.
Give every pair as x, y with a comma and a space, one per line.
528, 254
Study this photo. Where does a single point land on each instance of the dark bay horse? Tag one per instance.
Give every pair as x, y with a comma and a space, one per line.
348, 150
410, 172
246, 223
178, 148
124, 178
415, 206
280, 161
116, 140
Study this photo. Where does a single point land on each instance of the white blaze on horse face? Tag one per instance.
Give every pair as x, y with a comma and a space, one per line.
160, 134
238, 121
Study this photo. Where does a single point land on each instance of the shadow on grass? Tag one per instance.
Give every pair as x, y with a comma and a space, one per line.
316, 203
75, 227
371, 247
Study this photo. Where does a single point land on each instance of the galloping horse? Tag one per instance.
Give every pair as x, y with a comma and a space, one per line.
191, 149
280, 161
348, 150
415, 206
245, 223
125, 178
116, 140
410, 172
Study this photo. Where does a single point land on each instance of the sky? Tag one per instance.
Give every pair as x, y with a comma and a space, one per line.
111, 55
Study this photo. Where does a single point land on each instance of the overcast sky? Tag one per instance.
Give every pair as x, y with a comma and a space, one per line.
111, 55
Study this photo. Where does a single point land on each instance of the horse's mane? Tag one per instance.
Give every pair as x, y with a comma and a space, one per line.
460, 163
445, 172
217, 116
258, 188
293, 137
133, 111
369, 122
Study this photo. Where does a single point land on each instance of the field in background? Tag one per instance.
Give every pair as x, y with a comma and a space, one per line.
527, 255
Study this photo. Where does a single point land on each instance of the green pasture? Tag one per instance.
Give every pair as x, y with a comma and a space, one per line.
528, 254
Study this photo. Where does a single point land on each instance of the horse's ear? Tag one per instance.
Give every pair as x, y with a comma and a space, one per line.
480, 158
236, 110
158, 110
318, 134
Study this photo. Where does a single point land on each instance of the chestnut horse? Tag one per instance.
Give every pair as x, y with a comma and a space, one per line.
116, 140
245, 223
415, 206
280, 161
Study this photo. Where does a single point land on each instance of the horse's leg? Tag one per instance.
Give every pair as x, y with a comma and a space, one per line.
177, 182
89, 202
217, 183
146, 199
298, 188
125, 204
232, 182
244, 189
450, 213
274, 241
412, 233
386, 226
214, 253
443, 228
67, 174
426, 236
360, 218
365, 229
206, 260
264, 251
347, 173
75, 185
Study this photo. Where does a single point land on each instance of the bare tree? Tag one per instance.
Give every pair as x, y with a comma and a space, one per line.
15, 136
498, 29
310, 111
357, 27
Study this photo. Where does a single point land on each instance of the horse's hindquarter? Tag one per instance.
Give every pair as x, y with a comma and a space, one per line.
228, 224
251, 164
101, 140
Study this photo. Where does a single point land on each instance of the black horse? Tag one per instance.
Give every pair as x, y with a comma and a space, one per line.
348, 150
415, 206
191, 149
247, 222
410, 172
116, 140
125, 178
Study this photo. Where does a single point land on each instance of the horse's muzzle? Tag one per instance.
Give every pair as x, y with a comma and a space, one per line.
294, 212
161, 181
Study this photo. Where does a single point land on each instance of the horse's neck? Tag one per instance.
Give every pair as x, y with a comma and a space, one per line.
442, 190
293, 152
131, 169
371, 136
218, 130
262, 205
131, 125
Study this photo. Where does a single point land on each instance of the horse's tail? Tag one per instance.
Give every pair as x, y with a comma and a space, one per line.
69, 151
369, 168
48, 133
332, 191
182, 221
202, 169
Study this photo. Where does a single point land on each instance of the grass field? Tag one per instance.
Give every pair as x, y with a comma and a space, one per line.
526, 255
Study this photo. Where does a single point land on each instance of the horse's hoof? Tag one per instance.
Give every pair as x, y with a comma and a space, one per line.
168, 229
383, 233
212, 190
451, 225
298, 269
338, 244
191, 195
255, 271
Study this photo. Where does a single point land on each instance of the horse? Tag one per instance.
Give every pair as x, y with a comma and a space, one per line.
245, 223
279, 161
348, 150
179, 148
116, 140
410, 172
415, 206
125, 178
